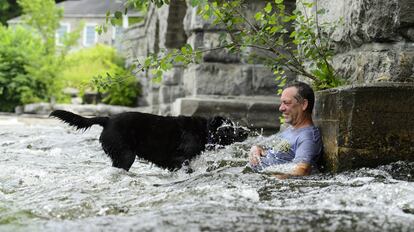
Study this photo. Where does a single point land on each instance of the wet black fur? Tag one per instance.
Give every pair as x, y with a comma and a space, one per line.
163, 140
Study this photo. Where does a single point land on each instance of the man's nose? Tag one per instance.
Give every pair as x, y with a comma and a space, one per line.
281, 108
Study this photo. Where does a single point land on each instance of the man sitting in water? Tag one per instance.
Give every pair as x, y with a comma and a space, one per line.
300, 143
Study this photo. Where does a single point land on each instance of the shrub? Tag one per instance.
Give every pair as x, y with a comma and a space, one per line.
26, 71
123, 89
85, 69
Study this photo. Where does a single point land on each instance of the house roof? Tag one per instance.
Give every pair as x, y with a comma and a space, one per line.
89, 9
93, 8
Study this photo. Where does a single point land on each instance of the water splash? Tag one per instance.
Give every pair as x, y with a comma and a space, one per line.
53, 178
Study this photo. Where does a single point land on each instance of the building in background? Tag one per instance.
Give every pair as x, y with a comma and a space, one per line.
92, 13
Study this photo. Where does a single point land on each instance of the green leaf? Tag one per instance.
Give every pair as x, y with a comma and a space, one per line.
118, 14
195, 3
258, 16
268, 8
179, 59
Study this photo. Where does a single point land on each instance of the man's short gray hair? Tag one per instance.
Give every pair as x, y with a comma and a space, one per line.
304, 92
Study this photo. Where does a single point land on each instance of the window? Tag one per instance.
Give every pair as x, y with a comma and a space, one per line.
117, 36
61, 32
90, 36
116, 32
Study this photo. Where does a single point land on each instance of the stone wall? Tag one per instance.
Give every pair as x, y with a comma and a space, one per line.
223, 83
369, 122
162, 29
375, 43
366, 125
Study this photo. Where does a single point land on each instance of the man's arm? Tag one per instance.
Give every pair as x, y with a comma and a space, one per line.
300, 169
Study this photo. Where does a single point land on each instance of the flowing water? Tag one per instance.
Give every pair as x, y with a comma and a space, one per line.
53, 178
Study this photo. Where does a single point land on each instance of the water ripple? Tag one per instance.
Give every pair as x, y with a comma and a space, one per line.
53, 178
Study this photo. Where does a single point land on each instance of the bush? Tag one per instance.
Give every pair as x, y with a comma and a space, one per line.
123, 89
27, 73
86, 69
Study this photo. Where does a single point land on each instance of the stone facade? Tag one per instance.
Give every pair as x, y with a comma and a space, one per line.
366, 125
370, 122
375, 43
220, 84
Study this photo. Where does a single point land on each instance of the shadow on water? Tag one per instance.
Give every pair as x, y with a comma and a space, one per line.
55, 179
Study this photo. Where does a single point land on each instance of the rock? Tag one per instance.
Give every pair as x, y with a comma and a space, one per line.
37, 108
100, 109
167, 94
209, 41
366, 125
377, 62
228, 80
365, 21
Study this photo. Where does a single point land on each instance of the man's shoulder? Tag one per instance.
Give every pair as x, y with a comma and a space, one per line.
311, 132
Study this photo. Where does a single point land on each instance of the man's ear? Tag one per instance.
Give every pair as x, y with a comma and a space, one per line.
305, 104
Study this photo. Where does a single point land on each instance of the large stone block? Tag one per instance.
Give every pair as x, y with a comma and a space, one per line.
216, 79
406, 13
208, 41
366, 125
152, 96
367, 21
168, 94
263, 79
377, 62
173, 76
228, 79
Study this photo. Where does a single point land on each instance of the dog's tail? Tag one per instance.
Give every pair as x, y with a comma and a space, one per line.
78, 121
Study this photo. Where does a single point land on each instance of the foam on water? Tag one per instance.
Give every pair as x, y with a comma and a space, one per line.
53, 178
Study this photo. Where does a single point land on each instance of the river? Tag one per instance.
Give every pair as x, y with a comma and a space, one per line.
53, 178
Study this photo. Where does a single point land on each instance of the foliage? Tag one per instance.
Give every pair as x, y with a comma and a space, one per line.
29, 62
283, 40
80, 66
8, 9
26, 75
100, 68
121, 88
43, 16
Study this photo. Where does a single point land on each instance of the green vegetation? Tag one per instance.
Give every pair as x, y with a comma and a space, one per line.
29, 63
284, 40
100, 69
81, 66
8, 10
26, 73
33, 69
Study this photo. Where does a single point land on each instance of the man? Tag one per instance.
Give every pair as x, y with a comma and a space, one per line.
300, 143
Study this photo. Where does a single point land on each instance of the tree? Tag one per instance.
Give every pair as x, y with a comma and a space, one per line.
8, 9
294, 41
29, 60
44, 17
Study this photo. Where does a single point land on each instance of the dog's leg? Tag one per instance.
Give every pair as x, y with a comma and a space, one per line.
124, 160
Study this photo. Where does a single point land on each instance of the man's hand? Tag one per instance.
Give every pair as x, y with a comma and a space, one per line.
256, 152
300, 169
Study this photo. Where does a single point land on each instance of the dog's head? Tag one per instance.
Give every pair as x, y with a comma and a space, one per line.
223, 131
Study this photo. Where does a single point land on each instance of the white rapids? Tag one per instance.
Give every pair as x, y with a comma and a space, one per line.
53, 178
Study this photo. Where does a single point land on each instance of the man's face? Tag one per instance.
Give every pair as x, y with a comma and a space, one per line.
293, 109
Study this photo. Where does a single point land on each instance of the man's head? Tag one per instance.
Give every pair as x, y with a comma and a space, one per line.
297, 102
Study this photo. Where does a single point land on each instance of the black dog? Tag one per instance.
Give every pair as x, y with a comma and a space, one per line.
166, 141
